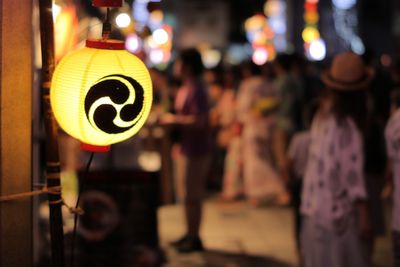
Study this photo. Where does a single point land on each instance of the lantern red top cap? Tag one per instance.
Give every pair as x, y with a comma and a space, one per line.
105, 44
107, 3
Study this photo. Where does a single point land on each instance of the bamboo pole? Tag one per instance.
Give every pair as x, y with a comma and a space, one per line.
52, 154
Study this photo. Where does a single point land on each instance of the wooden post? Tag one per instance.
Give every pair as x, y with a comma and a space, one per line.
16, 55
52, 155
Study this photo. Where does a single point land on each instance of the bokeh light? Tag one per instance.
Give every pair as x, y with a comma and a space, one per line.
156, 19
160, 36
274, 8
344, 4
310, 7
317, 50
237, 53
211, 58
260, 39
271, 52
260, 56
149, 161
140, 13
280, 44
311, 17
278, 25
151, 43
133, 43
310, 34
251, 36
123, 20
255, 23
386, 60
156, 56
357, 45
56, 11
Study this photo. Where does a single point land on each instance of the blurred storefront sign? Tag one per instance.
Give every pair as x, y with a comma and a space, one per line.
202, 22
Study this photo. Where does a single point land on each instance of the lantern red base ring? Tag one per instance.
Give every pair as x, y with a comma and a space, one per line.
93, 148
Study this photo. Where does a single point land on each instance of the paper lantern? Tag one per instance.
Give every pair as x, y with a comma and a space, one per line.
101, 94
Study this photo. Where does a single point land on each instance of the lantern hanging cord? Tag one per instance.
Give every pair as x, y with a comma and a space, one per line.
106, 26
77, 208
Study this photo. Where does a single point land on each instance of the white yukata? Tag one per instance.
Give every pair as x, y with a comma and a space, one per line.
392, 135
261, 180
333, 182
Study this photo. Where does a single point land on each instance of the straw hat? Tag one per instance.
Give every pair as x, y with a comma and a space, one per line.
347, 73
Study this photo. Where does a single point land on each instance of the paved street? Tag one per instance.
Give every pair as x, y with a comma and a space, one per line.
238, 235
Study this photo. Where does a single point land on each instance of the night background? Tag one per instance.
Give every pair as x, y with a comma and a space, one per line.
227, 90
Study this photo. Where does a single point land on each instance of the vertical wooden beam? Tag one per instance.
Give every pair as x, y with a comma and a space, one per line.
15, 131
51, 127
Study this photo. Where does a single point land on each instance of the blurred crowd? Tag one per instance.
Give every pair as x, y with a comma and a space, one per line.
290, 132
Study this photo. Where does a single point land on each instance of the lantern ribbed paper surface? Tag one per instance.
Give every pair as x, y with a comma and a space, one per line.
101, 96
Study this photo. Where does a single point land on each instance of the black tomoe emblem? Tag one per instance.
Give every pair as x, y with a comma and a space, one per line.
118, 92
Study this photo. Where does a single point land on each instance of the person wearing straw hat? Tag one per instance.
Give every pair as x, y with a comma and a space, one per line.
334, 209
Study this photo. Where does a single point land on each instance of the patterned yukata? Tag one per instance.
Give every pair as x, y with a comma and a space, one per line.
232, 179
298, 155
333, 182
260, 177
392, 134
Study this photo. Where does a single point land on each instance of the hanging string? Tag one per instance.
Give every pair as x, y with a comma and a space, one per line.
54, 190
106, 31
74, 210
45, 190
77, 208
106, 26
